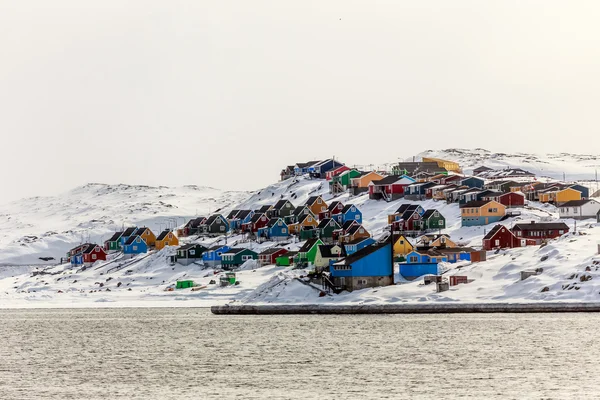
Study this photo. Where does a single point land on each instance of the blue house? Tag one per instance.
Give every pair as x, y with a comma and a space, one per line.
135, 245
303, 168
238, 217
424, 261
370, 266
77, 259
319, 169
349, 213
213, 256
358, 244
126, 234
276, 229
473, 182
585, 192
468, 195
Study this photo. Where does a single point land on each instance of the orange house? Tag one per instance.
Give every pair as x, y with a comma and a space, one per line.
306, 221
166, 238
356, 231
146, 234
363, 181
316, 204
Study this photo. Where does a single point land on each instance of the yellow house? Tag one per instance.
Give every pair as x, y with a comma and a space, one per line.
402, 246
478, 213
448, 165
436, 241
166, 238
305, 221
560, 196
364, 180
146, 234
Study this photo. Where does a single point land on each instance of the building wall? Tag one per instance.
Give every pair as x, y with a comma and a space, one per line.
412, 271
480, 221
567, 195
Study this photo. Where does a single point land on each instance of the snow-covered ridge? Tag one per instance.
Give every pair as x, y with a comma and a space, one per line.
573, 166
49, 226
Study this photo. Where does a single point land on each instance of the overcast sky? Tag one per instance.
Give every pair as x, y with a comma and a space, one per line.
226, 93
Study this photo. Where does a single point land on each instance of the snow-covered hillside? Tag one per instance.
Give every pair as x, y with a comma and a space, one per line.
575, 167
49, 226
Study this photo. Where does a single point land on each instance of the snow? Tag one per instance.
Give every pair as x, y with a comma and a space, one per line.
49, 226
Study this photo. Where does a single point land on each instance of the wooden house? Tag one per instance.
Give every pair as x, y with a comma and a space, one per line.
349, 213
298, 213
146, 234
127, 234
269, 256
275, 229
327, 253
418, 191
372, 266
580, 209
335, 207
446, 165
241, 218
257, 222
340, 183
192, 227
213, 256
308, 251
305, 221
500, 237
316, 204
135, 245
281, 209
356, 231
559, 195
360, 184
402, 246
114, 243
500, 185
235, 257
286, 260
320, 169
326, 228
473, 182
335, 172
166, 238
215, 225
389, 188
190, 253
433, 220
477, 213
539, 231
435, 240
302, 168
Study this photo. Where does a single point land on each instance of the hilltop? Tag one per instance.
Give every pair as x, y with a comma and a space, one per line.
49, 226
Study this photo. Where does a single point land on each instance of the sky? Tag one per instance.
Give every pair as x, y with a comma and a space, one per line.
226, 93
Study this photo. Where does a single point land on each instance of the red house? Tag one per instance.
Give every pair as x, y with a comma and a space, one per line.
334, 172
511, 199
389, 188
538, 231
93, 253
269, 256
258, 221
500, 237
334, 208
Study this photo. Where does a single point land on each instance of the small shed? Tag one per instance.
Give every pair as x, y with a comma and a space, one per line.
184, 284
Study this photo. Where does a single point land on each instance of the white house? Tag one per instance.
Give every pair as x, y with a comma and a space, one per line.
580, 209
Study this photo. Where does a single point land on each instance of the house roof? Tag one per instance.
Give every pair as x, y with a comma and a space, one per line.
235, 250
90, 247
256, 217
495, 230
326, 221
303, 217
190, 246
211, 219
298, 210
326, 251
280, 204
273, 221
577, 203
540, 226
354, 228
309, 245
311, 200
430, 212
475, 204
217, 247
347, 208
333, 205
132, 239
242, 214
163, 235
272, 250
232, 214
264, 209
129, 231
406, 207
362, 253
433, 236
115, 237
348, 224
388, 180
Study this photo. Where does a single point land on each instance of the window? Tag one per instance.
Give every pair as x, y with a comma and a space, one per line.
560, 232
319, 201
361, 231
138, 240
219, 254
497, 243
309, 219
353, 208
94, 256
192, 252
280, 223
414, 259
134, 248
433, 260
401, 242
170, 235
282, 230
441, 222
575, 210
518, 233
97, 250
357, 217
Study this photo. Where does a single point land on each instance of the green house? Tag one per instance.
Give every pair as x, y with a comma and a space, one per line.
190, 253
235, 257
326, 228
308, 251
306, 234
184, 284
433, 220
285, 260
114, 243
